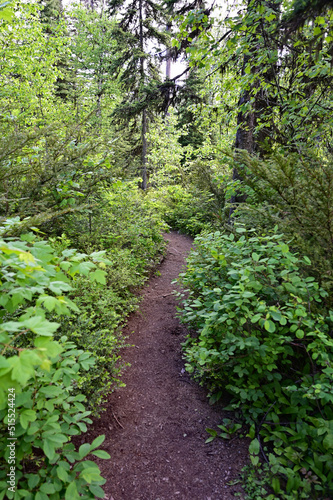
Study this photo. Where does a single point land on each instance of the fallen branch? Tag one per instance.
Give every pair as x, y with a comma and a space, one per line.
114, 416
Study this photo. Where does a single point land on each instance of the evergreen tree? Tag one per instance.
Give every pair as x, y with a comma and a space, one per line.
142, 37
52, 15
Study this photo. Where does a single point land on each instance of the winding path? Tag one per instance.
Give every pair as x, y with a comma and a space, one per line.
155, 426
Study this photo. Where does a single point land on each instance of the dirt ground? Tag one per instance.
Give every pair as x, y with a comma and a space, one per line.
155, 426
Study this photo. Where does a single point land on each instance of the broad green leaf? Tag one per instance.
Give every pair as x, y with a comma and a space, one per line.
101, 454
47, 488
82, 268
300, 334
98, 276
41, 326
33, 481
269, 326
48, 448
71, 492
254, 446
51, 391
27, 416
328, 441
276, 315
50, 347
12, 326
91, 474
49, 302
84, 450
256, 318
276, 485
41, 496
24, 366
96, 490
97, 442
62, 474
58, 287
57, 439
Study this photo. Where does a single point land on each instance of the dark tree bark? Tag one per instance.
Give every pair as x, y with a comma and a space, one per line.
144, 111
244, 139
144, 150
246, 122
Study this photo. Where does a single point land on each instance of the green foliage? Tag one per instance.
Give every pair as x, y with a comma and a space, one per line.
47, 416
188, 210
263, 339
129, 230
67, 165
97, 329
55, 151
38, 404
6, 12
228, 428
257, 483
293, 191
165, 152
126, 225
93, 48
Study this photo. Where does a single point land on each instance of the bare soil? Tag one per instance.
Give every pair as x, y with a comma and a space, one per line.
155, 426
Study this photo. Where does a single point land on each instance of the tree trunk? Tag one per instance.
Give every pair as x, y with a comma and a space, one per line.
168, 60
144, 150
144, 111
246, 121
244, 140
167, 76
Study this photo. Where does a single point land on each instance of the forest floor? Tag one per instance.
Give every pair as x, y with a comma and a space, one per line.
155, 426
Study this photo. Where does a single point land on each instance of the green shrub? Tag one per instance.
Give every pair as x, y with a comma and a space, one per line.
39, 407
97, 329
123, 220
47, 415
190, 211
293, 191
263, 339
130, 232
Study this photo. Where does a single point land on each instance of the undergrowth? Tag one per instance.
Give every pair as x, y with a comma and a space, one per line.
61, 314
190, 211
265, 338
128, 229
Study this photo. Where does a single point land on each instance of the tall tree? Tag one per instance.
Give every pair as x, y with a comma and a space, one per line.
252, 101
284, 74
142, 36
52, 17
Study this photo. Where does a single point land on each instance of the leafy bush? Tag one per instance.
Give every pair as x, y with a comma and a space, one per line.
130, 232
190, 211
263, 339
293, 191
97, 329
123, 223
38, 406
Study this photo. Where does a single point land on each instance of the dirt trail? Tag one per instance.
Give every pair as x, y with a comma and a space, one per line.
155, 426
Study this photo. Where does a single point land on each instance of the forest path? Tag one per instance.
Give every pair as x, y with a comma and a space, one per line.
155, 426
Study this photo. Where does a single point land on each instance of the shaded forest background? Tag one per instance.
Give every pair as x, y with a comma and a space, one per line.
100, 151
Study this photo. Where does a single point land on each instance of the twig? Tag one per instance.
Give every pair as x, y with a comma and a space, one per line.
114, 416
